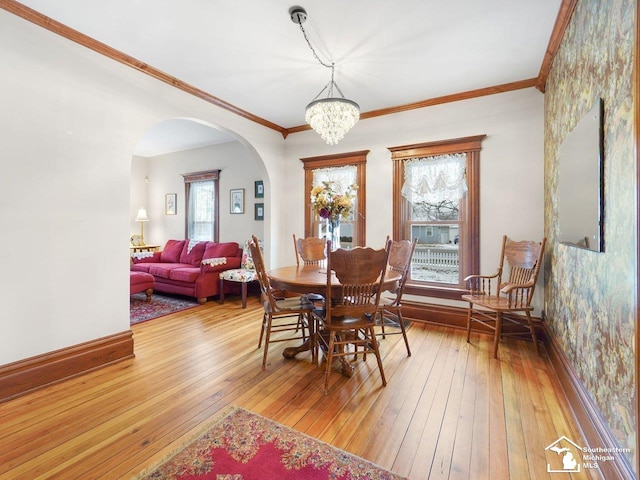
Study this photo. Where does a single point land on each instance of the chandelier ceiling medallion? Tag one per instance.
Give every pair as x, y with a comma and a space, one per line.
332, 116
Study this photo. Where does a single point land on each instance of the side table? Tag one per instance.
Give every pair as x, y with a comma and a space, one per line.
144, 248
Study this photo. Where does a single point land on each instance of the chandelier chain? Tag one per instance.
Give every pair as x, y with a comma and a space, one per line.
313, 50
330, 117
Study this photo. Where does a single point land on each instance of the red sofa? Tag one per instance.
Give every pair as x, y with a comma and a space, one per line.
188, 267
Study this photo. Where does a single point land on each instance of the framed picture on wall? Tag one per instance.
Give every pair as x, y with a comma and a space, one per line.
259, 211
259, 189
237, 200
170, 204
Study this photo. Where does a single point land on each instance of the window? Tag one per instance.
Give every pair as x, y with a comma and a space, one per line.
343, 169
436, 199
201, 192
340, 179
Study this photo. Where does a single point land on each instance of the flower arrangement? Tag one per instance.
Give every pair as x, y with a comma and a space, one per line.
330, 204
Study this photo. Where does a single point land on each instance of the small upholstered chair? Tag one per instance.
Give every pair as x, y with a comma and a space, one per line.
243, 275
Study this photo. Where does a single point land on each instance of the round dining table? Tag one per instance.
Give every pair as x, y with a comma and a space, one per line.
313, 279
306, 279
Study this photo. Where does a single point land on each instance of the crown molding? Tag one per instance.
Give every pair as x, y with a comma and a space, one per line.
562, 21
564, 15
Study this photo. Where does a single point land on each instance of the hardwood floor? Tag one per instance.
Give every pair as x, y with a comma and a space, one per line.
449, 411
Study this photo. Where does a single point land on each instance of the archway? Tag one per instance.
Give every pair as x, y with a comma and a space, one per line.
177, 146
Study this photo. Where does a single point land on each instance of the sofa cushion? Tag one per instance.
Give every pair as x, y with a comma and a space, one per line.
163, 270
141, 267
192, 252
171, 251
185, 274
217, 250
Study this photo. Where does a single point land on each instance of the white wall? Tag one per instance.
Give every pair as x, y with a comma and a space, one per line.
511, 164
163, 174
71, 119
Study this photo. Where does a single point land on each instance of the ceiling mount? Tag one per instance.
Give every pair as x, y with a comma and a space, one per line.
298, 14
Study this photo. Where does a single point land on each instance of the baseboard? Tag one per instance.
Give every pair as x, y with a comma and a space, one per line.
433, 314
451, 316
587, 415
24, 376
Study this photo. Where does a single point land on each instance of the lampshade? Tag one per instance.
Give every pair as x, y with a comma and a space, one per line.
331, 118
142, 215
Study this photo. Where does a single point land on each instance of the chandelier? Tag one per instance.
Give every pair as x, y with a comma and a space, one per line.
331, 117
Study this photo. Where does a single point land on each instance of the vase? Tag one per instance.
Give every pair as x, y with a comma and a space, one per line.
333, 231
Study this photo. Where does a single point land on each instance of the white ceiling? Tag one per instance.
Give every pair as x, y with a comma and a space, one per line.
250, 53
176, 135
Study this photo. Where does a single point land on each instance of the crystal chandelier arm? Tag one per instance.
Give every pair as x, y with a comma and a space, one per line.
329, 86
337, 87
321, 91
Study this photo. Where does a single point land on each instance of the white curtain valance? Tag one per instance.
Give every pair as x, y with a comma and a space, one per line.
342, 177
435, 179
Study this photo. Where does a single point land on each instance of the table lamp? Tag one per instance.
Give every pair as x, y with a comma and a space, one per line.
142, 217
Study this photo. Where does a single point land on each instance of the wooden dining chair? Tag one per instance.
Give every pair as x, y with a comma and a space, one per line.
310, 250
400, 253
349, 317
283, 312
492, 301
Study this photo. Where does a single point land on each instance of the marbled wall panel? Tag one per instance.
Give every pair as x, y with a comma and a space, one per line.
590, 297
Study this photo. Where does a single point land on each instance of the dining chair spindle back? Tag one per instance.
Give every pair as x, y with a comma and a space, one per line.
499, 301
349, 316
310, 250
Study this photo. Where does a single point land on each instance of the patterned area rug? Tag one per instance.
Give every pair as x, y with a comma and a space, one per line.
140, 310
246, 446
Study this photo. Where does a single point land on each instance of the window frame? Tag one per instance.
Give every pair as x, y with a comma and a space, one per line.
469, 215
204, 176
357, 159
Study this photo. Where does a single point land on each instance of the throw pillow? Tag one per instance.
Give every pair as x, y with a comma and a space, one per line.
217, 250
192, 252
171, 251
